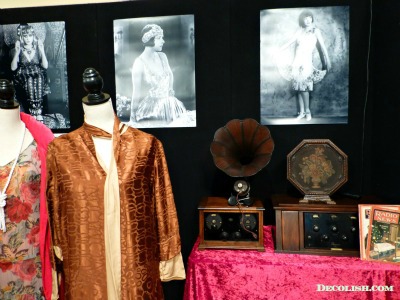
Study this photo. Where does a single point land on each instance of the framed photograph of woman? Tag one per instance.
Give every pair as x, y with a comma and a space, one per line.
33, 58
304, 65
155, 71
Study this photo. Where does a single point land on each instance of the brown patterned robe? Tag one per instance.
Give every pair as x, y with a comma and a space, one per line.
149, 226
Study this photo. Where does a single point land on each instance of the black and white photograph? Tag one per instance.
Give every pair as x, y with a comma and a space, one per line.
33, 58
155, 71
304, 65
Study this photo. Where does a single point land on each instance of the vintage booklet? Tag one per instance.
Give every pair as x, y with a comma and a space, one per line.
364, 211
383, 236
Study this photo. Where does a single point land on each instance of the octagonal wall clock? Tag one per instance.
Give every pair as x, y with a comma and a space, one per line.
317, 168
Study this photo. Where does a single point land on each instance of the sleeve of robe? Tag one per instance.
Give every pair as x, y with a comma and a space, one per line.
171, 262
53, 209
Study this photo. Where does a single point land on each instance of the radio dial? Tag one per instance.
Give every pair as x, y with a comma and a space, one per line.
248, 221
213, 221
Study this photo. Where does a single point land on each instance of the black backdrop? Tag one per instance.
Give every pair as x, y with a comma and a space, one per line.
227, 87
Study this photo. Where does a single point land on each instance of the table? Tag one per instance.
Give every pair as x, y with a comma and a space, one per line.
215, 274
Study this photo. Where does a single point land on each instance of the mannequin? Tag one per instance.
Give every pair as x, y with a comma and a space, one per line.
111, 209
101, 116
23, 215
99, 112
11, 129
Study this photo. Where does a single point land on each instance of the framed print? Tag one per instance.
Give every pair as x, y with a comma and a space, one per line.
155, 71
304, 65
33, 58
317, 168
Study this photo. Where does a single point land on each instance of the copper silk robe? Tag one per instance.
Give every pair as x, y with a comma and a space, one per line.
149, 230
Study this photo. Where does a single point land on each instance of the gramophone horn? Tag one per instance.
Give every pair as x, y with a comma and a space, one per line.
242, 147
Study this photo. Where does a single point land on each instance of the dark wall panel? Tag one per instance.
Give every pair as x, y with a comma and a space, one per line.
386, 105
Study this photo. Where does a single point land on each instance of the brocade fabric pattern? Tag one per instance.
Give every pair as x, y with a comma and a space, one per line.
20, 264
149, 224
253, 275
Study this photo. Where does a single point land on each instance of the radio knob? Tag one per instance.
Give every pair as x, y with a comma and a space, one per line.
237, 235
353, 229
316, 228
214, 224
334, 228
344, 237
224, 235
325, 237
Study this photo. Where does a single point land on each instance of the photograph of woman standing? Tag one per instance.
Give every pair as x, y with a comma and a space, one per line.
153, 96
29, 64
302, 73
33, 57
304, 65
157, 88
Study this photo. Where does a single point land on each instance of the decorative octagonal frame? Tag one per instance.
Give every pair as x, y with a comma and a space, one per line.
317, 168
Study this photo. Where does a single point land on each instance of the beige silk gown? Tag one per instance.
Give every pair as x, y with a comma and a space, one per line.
116, 227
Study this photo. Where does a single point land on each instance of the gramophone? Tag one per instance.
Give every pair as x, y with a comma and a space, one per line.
241, 149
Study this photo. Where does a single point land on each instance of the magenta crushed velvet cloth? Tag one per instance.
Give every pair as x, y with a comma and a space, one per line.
252, 275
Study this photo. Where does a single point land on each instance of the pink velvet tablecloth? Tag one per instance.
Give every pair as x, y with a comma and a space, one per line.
253, 275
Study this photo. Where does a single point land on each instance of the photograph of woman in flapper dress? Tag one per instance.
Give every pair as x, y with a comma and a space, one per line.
304, 65
29, 65
161, 91
33, 58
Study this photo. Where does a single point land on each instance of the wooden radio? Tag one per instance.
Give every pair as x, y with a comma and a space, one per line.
318, 228
223, 226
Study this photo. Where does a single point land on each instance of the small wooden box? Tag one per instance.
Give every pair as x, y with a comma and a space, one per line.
321, 229
230, 227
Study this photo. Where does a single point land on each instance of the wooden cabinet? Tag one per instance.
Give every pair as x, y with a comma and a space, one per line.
320, 228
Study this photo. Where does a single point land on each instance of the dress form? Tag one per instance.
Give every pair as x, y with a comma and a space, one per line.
22, 161
99, 112
11, 125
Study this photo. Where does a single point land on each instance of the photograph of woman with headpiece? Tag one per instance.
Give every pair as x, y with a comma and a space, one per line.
304, 56
33, 58
29, 64
158, 88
